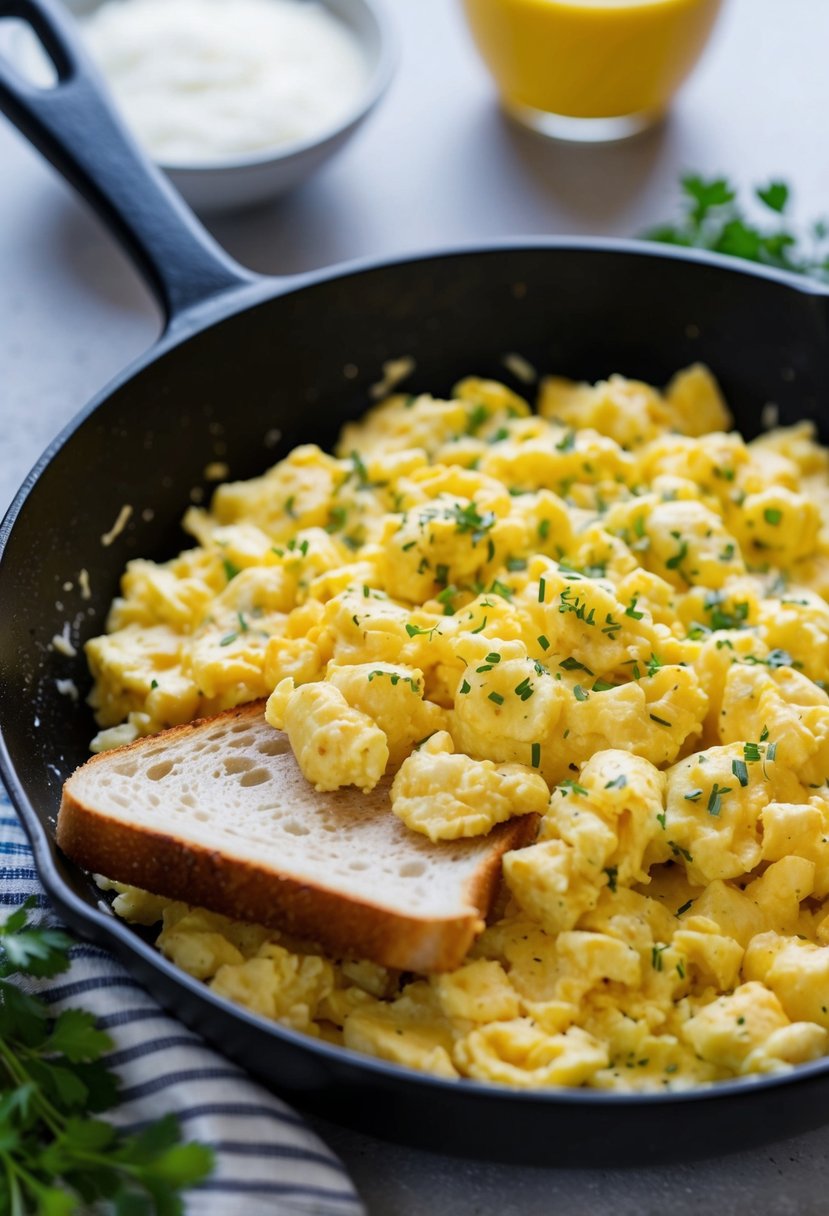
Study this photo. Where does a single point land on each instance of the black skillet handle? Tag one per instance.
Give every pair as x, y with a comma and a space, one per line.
76, 128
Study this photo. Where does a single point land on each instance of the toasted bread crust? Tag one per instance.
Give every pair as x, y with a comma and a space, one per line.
170, 865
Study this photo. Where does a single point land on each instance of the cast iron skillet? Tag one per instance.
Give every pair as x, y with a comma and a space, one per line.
247, 368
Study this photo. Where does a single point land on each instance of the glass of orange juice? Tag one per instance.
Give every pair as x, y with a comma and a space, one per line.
590, 69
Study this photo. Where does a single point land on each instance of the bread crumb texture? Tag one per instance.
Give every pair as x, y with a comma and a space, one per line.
611, 611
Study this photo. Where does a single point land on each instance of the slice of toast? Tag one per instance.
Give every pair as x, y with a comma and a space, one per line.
217, 814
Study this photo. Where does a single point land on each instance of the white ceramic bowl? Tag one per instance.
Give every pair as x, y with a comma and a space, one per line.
256, 178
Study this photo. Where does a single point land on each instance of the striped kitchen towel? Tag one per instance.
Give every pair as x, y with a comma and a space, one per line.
267, 1159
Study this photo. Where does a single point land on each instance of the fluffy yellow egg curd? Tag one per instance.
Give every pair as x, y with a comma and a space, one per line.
611, 612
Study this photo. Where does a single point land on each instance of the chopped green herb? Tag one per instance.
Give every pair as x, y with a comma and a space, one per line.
567, 443
535, 754
569, 786
289, 506
516, 563
631, 609
660, 721
684, 907
465, 687
571, 664
543, 641
580, 694
773, 516
656, 956
542, 589
153, 685
544, 529
230, 568
738, 768
612, 873
693, 795
618, 783
336, 519
603, 686
497, 698
715, 798
228, 638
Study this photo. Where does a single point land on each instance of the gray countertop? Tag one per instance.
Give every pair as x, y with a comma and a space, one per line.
436, 165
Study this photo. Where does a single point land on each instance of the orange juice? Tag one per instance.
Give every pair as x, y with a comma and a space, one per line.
590, 59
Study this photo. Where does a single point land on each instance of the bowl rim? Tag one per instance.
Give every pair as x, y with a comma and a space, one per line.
376, 84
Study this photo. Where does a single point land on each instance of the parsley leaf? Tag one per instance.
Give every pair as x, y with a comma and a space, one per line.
53, 1084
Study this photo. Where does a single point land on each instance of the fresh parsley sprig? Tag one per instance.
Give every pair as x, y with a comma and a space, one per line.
56, 1157
714, 218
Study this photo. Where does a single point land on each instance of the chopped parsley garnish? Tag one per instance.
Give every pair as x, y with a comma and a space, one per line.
415, 630
469, 519
465, 687
580, 694
603, 686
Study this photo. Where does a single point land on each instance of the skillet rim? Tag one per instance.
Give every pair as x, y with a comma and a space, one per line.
195, 320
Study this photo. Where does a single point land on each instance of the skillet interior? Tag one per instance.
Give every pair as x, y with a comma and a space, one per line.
299, 364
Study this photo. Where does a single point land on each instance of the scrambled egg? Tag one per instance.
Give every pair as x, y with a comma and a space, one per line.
611, 612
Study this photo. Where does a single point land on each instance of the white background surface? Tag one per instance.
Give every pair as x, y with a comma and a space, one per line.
437, 164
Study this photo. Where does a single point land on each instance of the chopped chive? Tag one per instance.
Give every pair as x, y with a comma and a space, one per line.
693, 795
660, 721
227, 639
543, 641
497, 698
580, 694
230, 568
465, 687
738, 768
542, 589
772, 515
535, 752
618, 783
681, 911
715, 798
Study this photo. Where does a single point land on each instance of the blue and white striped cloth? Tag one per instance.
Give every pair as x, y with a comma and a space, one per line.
267, 1159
